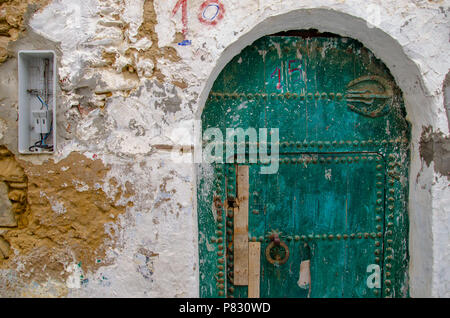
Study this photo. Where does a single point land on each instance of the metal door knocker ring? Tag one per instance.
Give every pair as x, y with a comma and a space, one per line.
273, 249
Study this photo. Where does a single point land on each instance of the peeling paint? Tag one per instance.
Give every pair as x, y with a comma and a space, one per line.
125, 85
435, 147
304, 279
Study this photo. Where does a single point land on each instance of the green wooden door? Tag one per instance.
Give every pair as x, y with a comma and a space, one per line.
336, 208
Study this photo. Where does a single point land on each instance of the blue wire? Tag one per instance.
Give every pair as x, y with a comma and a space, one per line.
43, 103
51, 125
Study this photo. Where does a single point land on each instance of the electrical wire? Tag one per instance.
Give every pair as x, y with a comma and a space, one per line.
41, 143
42, 102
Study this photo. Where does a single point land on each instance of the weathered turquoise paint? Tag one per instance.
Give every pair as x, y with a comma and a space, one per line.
340, 195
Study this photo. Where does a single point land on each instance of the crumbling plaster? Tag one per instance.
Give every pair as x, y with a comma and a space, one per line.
130, 92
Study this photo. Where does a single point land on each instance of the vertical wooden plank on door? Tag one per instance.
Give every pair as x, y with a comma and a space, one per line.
254, 255
241, 228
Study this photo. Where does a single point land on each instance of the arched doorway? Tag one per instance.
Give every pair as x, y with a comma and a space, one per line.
331, 219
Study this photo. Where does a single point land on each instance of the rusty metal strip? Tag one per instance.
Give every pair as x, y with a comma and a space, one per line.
241, 228
254, 265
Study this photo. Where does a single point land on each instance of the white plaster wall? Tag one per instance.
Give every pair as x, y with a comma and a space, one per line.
411, 37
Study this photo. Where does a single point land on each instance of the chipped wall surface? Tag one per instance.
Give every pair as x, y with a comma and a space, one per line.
113, 211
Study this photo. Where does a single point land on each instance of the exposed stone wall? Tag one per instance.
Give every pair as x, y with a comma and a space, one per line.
57, 214
13, 197
13, 15
113, 212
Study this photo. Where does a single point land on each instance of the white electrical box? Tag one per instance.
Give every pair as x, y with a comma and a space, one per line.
37, 100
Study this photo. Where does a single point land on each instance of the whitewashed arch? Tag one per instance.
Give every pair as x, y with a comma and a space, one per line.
421, 108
